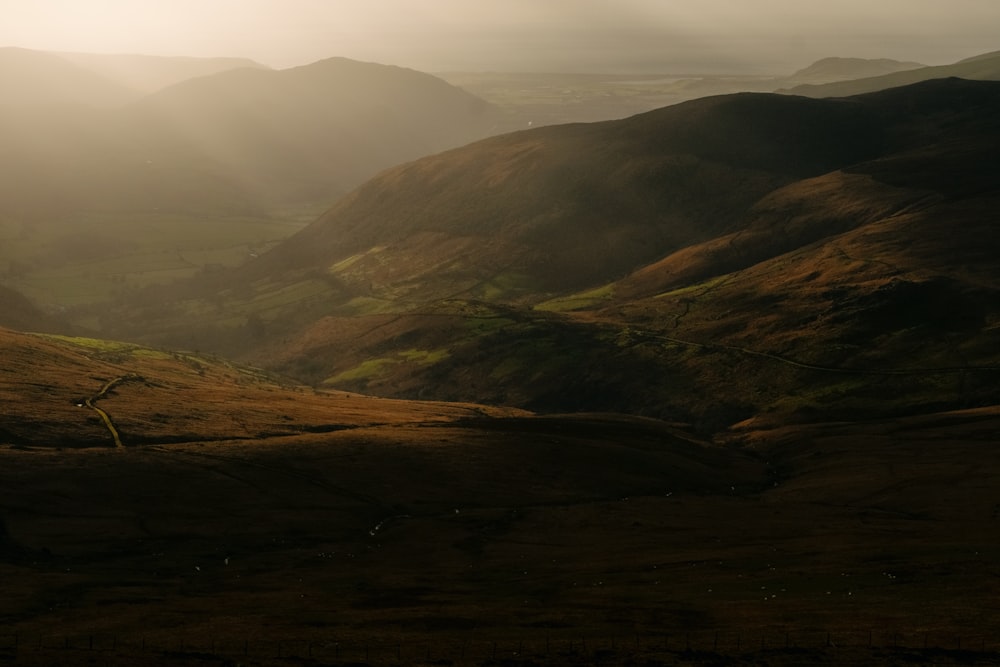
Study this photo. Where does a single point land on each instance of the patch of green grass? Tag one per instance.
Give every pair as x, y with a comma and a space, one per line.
98, 344
270, 304
504, 285
366, 370
373, 368
147, 353
366, 305
345, 264
424, 356
697, 287
578, 301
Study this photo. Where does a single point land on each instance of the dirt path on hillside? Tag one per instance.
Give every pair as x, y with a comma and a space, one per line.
105, 417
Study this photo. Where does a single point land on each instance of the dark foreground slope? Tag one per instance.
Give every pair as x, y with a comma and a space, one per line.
248, 522
708, 262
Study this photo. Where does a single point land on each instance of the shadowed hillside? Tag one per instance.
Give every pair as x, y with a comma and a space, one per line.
237, 517
708, 262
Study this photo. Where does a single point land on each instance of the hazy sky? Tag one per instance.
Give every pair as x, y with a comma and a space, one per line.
541, 35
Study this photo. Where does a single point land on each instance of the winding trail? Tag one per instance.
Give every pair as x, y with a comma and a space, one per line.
105, 417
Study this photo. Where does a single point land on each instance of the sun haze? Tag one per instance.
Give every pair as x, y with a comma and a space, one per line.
556, 35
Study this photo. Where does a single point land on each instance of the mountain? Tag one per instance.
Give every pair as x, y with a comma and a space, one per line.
704, 262
147, 74
307, 133
984, 67
828, 70
242, 142
34, 80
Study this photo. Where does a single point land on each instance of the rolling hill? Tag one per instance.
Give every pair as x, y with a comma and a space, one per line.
241, 141
31, 80
148, 74
829, 70
984, 67
304, 135
52, 384
710, 262
214, 513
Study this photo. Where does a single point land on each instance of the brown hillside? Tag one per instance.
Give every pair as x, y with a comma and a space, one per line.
705, 263
156, 397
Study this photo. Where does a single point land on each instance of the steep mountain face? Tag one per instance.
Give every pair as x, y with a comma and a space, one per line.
748, 256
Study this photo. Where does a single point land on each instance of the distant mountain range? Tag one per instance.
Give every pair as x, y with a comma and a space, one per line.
727, 258
548, 99
148, 74
829, 70
37, 79
985, 67
77, 139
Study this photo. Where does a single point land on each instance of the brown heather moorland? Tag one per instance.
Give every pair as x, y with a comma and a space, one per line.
250, 521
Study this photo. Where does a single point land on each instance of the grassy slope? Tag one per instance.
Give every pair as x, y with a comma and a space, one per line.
789, 292
162, 397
